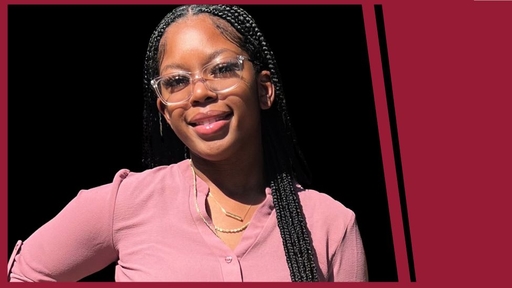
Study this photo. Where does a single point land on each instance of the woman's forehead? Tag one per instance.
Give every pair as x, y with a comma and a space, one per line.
200, 23
195, 33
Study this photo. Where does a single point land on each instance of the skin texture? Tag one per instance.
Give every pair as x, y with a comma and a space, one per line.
222, 159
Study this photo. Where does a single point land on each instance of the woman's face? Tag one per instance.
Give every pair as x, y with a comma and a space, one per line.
215, 126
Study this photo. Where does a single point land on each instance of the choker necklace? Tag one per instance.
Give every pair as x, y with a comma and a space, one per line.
229, 214
215, 228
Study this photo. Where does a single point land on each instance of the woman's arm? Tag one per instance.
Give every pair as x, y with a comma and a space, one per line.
349, 261
74, 244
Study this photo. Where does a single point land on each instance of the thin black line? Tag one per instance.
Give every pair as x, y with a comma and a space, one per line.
379, 17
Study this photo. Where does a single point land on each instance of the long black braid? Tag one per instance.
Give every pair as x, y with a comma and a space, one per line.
284, 162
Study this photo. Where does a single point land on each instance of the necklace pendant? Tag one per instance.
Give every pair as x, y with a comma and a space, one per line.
234, 216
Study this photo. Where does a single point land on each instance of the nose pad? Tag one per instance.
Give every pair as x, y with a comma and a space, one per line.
200, 92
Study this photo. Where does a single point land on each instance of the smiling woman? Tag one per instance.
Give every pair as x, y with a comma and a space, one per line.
223, 179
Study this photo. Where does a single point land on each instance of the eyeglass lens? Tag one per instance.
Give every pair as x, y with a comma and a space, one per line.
218, 76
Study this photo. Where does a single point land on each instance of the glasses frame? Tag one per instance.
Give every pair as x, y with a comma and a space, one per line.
194, 79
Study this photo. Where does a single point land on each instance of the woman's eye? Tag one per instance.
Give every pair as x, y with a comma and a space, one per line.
225, 70
175, 83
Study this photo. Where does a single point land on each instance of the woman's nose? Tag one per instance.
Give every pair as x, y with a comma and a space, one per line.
200, 92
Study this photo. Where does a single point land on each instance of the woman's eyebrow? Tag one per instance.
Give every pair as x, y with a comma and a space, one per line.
210, 58
172, 66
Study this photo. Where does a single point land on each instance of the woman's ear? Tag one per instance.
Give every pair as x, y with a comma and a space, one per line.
265, 90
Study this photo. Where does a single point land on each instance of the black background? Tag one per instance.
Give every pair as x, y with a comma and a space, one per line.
75, 108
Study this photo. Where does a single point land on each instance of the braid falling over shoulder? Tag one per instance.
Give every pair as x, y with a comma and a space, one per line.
284, 162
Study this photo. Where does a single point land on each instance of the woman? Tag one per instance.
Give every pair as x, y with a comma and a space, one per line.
235, 207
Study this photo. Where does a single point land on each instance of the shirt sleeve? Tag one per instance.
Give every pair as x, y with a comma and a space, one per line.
74, 244
349, 260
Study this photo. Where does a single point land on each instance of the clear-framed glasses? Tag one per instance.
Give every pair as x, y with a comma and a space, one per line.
221, 75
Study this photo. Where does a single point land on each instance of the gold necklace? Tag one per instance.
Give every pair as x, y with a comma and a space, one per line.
236, 230
227, 213
215, 228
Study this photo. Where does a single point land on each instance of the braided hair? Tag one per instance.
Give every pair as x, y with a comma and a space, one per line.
284, 163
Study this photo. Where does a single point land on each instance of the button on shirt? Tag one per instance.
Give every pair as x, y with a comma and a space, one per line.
147, 222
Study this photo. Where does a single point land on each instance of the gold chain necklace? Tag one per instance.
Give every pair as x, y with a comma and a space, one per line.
227, 213
236, 230
215, 228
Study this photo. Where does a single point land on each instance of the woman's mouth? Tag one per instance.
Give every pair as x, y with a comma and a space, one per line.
211, 124
208, 121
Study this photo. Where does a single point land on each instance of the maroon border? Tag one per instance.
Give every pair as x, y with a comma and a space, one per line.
388, 157
450, 61
450, 67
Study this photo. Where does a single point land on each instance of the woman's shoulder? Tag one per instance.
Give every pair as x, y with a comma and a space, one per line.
133, 191
149, 177
132, 184
322, 208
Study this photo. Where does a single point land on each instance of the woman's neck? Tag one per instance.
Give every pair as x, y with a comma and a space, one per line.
242, 180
